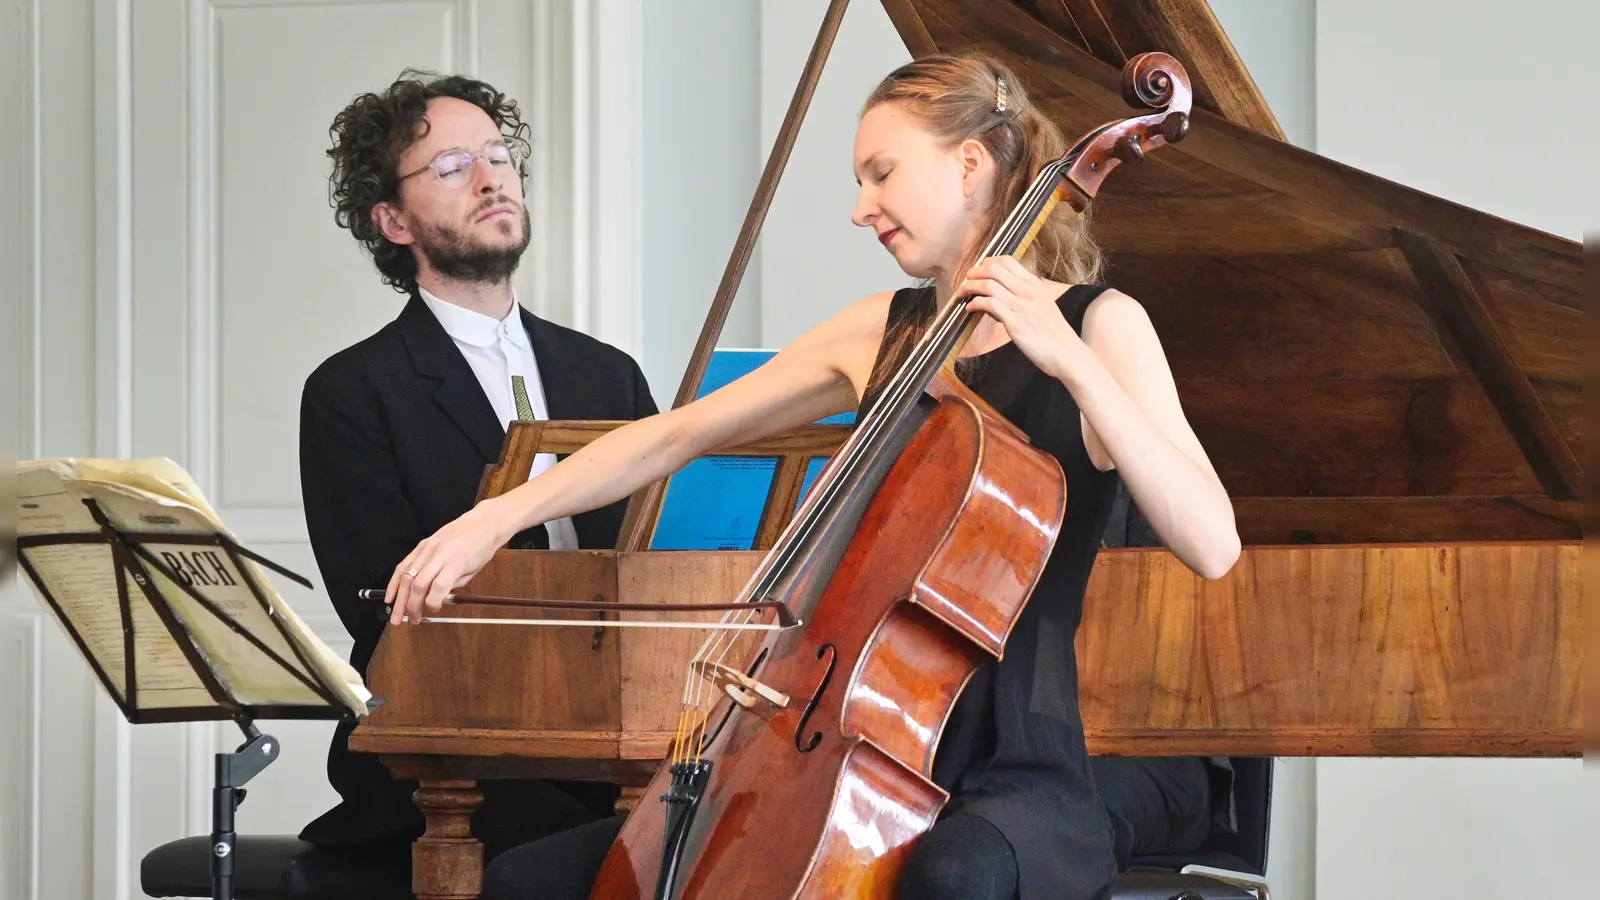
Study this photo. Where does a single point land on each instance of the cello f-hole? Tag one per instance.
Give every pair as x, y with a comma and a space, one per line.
806, 745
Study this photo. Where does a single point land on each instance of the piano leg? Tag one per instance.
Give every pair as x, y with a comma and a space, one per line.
447, 861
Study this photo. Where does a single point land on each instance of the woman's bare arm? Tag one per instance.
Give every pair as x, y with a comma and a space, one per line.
820, 374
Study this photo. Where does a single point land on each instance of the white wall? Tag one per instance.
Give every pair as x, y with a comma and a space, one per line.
1277, 41
814, 261
1473, 102
17, 634
48, 706
16, 216
701, 166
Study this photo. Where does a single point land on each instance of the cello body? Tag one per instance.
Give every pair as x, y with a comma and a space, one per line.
825, 796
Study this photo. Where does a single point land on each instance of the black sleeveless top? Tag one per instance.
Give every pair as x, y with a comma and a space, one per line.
1013, 750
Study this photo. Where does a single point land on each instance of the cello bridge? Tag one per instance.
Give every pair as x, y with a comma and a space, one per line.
741, 688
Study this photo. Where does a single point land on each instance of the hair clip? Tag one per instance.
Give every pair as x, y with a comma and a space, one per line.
999, 95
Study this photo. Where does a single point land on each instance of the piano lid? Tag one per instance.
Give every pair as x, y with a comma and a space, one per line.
1363, 362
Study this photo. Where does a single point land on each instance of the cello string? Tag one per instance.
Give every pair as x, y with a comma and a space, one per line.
935, 345
903, 386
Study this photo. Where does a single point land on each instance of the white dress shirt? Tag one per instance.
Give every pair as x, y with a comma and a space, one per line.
497, 350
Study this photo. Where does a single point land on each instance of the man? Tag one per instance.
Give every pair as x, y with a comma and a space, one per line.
395, 431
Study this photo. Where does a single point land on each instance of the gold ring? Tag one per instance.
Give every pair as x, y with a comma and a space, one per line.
412, 573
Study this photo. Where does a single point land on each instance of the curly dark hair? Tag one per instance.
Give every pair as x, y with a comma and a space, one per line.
369, 137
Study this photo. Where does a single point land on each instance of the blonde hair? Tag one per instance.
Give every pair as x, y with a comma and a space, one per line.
964, 96
958, 97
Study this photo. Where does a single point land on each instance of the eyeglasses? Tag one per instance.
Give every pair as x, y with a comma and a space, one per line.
454, 167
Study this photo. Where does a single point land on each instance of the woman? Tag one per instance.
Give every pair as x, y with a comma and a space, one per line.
944, 150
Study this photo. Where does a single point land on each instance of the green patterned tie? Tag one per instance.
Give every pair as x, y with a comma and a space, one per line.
520, 393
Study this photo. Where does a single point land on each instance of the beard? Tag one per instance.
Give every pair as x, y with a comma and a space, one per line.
458, 257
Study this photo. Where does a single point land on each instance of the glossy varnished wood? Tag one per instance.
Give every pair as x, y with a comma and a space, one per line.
1398, 650
1309, 308
562, 694
1115, 30
466, 702
935, 575
447, 860
1140, 601
1463, 313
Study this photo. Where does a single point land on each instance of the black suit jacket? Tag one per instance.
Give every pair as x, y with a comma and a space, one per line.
395, 433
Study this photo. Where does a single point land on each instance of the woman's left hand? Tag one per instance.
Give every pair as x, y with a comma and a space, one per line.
1025, 305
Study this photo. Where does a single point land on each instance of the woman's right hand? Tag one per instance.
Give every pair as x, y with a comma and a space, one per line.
448, 559
816, 376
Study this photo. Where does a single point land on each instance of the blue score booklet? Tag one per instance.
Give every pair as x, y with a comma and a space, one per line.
715, 502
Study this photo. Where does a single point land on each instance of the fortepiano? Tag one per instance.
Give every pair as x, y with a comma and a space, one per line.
1387, 382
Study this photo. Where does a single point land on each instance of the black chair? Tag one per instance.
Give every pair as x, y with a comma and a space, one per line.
1242, 852
278, 867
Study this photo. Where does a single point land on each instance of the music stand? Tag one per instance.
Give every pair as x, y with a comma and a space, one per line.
197, 602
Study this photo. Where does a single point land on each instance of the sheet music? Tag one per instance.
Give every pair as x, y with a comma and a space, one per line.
81, 578
166, 679
153, 497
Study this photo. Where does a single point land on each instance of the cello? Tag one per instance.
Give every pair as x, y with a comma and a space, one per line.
807, 773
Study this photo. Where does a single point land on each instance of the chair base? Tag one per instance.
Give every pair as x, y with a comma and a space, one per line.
1181, 886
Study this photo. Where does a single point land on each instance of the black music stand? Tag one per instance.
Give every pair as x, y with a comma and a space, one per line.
131, 559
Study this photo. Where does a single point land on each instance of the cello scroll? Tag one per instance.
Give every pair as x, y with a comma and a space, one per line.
1150, 81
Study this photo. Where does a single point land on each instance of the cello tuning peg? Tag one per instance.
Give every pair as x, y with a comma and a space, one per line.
1129, 148
1174, 127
